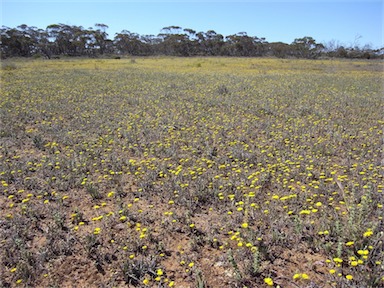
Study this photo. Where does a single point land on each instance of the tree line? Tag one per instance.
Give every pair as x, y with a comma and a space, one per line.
70, 40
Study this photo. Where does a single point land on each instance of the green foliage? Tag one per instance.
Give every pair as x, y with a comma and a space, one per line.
72, 40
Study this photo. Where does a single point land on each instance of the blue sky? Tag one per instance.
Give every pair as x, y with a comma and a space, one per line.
346, 22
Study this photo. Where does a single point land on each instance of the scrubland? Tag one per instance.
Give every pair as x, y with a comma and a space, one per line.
191, 172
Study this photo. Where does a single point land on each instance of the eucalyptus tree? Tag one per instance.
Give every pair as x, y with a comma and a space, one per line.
127, 42
174, 41
307, 47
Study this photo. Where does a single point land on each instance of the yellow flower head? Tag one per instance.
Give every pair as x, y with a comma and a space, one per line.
268, 281
349, 277
244, 225
159, 272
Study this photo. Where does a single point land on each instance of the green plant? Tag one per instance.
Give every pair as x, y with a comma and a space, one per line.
134, 270
235, 267
93, 191
199, 280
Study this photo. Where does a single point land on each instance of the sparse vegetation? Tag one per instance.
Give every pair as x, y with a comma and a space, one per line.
170, 172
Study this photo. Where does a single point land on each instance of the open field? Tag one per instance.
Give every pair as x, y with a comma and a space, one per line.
191, 172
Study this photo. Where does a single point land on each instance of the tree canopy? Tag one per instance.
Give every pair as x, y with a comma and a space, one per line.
71, 40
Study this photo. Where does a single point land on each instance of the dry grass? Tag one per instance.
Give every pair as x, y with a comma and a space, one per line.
198, 172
